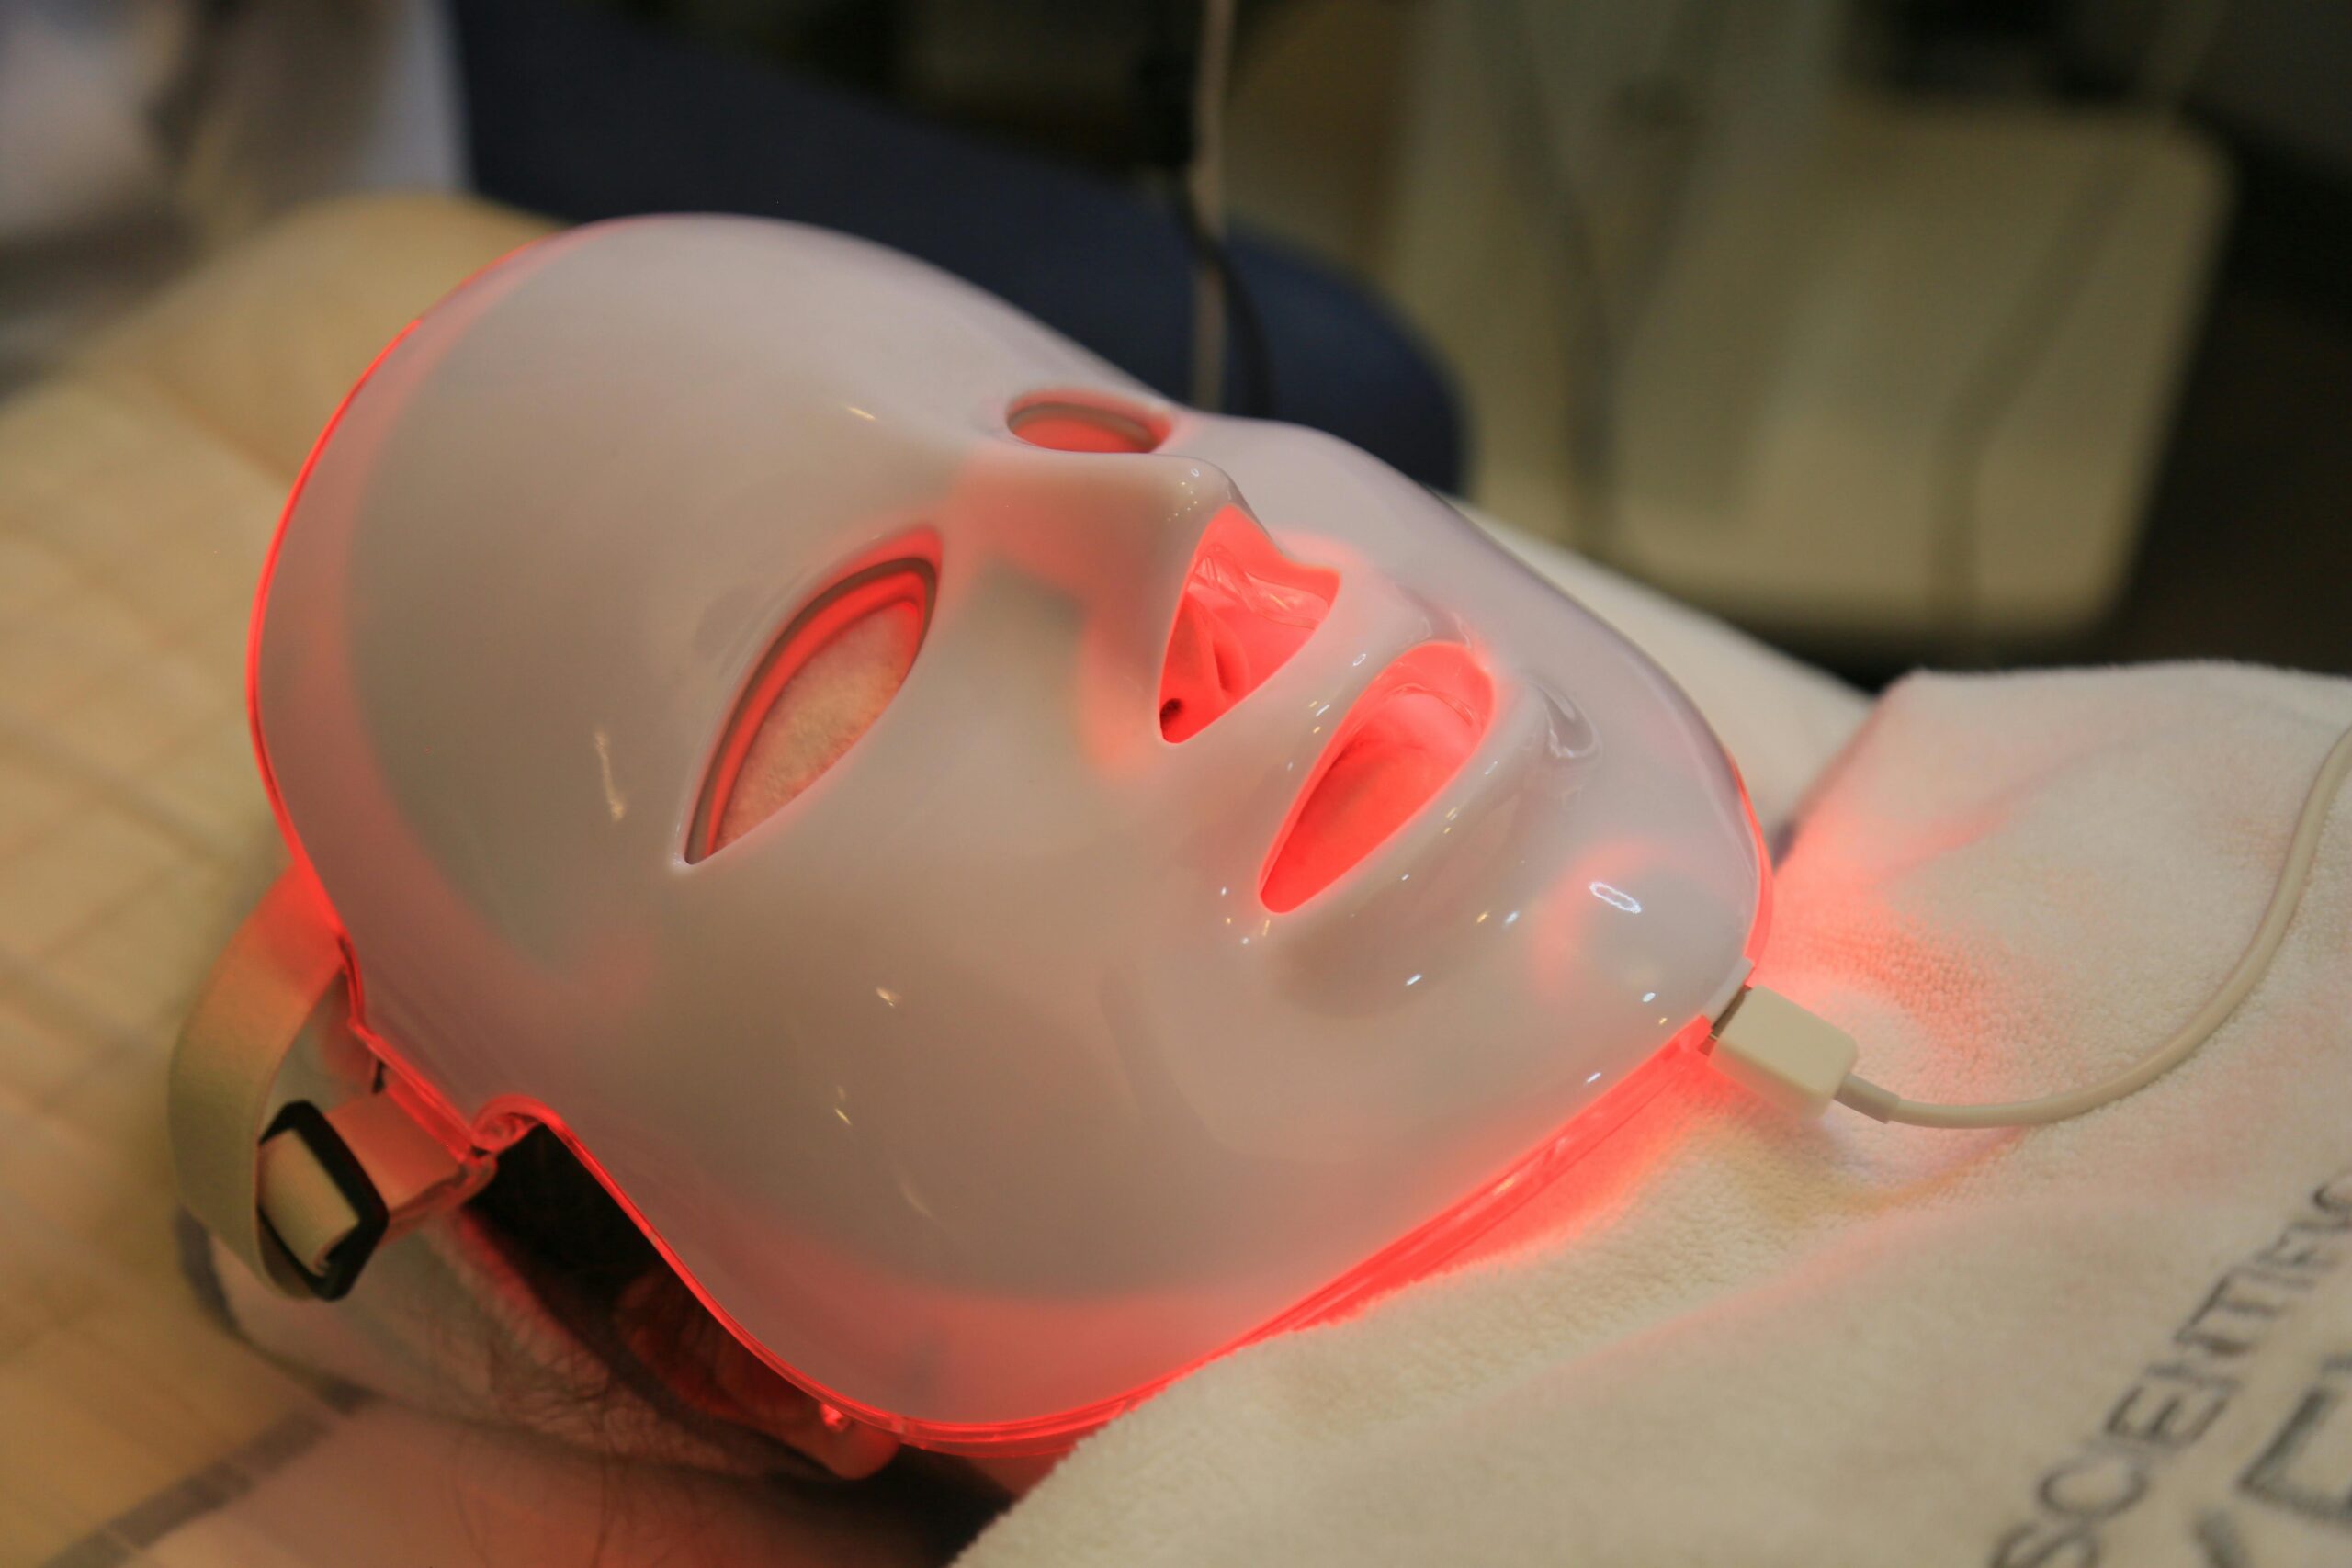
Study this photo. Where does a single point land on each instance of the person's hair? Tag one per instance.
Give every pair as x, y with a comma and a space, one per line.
594, 1272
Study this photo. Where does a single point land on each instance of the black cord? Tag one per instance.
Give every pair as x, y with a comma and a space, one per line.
1253, 369
1166, 78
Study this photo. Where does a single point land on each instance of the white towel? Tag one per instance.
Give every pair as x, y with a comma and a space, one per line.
1730, 1338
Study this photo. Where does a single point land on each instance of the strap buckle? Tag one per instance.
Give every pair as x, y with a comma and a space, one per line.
343, 1260
332, 1186
304, 1196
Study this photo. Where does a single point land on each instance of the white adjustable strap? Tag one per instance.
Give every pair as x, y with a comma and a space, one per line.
303, 1197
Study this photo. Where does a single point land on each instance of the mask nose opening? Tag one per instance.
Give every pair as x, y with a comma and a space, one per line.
1246, 609
1403, 741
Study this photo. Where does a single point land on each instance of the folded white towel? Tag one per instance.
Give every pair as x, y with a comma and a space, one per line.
1728, 1338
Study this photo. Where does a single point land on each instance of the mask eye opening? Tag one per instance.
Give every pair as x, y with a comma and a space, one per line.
1085, 422
891, 586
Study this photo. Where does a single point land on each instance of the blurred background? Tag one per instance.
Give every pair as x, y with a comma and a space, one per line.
1896, 331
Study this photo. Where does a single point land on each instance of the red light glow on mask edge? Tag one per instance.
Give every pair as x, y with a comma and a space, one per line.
1411, 1256
261, 603
277, 542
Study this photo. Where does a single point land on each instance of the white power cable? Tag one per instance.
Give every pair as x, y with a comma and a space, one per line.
1795, 1058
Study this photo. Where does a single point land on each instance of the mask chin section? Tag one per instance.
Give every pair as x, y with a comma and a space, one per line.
1247, 607
1405, 738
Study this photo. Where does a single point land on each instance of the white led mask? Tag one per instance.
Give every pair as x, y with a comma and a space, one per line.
1252, 883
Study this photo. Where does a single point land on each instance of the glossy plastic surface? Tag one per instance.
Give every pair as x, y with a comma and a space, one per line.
978, 1087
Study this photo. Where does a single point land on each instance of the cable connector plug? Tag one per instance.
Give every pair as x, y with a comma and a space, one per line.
1777, 1049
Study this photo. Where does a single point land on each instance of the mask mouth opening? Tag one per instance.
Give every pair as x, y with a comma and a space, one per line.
1401, 743
822, 686
1246, 609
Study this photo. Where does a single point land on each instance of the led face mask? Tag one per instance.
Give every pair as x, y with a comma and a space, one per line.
1017, 886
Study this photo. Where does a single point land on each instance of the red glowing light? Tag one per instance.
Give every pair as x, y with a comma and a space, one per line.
894, 590
1246, 608
1410, 731
261, 596
1411, 1256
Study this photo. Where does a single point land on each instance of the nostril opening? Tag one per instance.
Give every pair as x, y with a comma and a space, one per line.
1245, 610
1084, 422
